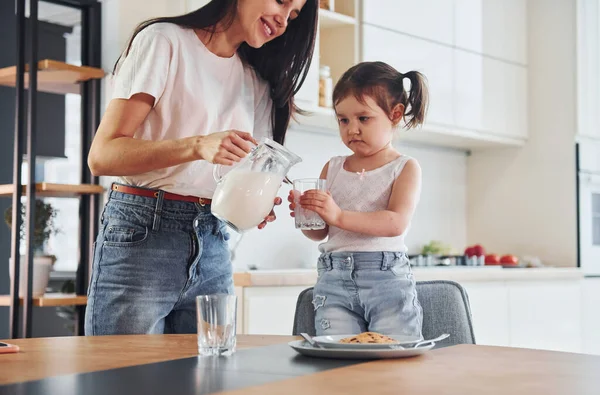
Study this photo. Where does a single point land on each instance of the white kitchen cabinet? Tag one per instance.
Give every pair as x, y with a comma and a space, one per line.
490, 95
496, 28
546, 315
407, 53
469, 93
591, 315
431, 19
270, 310
490, 312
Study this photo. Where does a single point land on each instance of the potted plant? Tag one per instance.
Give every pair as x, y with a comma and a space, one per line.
43, 262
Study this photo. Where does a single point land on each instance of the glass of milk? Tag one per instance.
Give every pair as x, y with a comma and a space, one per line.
246, 194
307, 219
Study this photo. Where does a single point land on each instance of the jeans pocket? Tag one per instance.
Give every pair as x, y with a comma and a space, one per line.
119, 233
94, 269
401, 267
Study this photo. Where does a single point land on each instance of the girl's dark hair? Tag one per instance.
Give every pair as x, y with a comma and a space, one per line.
282, 62
385, 85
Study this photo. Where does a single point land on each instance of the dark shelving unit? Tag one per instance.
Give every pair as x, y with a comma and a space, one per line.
47, 75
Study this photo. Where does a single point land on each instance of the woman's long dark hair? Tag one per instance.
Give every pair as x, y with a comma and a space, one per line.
283, 62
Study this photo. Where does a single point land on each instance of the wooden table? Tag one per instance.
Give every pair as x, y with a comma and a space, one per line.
464, 369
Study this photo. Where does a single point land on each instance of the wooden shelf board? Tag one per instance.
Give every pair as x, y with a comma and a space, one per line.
51, 300
54, 76
329, 19
45, 189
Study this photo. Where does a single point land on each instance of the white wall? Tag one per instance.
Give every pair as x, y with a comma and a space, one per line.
522, 201
440, 215
120, 18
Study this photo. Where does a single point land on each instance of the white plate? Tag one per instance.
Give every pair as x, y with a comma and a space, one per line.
334, 342
306, 349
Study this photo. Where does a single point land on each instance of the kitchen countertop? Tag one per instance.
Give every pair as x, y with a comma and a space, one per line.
307, 277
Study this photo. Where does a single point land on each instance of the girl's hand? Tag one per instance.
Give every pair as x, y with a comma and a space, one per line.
292, 200
271, 217
322, 203
225, 148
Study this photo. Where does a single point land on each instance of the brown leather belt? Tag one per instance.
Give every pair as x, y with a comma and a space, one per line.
154, 194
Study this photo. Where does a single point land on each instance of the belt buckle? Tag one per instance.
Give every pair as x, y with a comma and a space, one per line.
201, 201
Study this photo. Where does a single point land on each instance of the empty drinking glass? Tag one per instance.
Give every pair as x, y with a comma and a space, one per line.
216, 316
307, 219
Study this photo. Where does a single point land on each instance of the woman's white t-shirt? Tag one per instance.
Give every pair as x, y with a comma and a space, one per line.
196, 93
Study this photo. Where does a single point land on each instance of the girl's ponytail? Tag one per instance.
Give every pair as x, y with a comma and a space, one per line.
416, 100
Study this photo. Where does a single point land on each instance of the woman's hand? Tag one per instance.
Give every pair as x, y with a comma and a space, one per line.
322, 203
225, 148
271, 217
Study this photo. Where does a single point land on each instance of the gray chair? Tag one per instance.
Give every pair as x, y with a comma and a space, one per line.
445, 310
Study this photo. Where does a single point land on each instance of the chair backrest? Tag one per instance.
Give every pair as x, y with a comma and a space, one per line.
445, 310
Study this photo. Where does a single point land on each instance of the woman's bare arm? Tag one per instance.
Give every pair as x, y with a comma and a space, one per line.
114, 151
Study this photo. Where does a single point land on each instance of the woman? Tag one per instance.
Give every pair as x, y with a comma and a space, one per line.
189, 92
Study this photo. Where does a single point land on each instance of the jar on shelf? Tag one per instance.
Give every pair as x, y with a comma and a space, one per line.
326, 4
325, 87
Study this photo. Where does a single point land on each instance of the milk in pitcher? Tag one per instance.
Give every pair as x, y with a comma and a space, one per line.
244, 198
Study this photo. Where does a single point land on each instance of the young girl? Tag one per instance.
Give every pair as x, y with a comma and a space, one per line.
365, 282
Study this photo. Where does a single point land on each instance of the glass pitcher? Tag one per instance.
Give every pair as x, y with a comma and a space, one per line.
245, 195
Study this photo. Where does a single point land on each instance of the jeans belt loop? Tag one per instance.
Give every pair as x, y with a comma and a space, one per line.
160, 195
385, 261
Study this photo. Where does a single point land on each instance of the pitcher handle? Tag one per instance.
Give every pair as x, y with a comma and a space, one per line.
217, 173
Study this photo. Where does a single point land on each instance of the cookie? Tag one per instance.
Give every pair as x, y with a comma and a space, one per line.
369, 337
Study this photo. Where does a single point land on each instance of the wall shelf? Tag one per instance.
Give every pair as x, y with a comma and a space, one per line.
45, 189
336, 46
54, 76
51, 300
